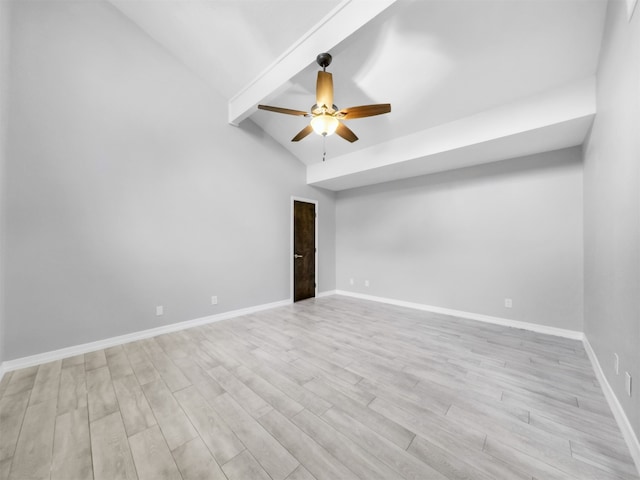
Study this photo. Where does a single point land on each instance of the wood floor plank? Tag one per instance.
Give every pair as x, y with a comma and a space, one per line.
242, 394
5, 467
216, 434
304, 397
299, 375
449, 464
33, 455
613, 462
135, 410
12, 410
244, 466
140, 364
73, 388
309, 453
398, 434
110, 450
191, 370
301, 473
46, 383
537, 468
118, 362
101, 397
407, 466
272, 395
73, 361
72, 445
350, 453
455, 436
94, 360
196, 463
357, 392
520, 433
21, 381
315, 364
209, 388
175, 426
4, 382
170, 373
152, 457
270, 454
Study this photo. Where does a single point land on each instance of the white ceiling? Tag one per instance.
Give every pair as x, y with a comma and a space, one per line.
462, 67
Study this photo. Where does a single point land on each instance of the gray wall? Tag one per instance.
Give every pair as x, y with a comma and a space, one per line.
467, 239
4, 80
130, 190
612, 209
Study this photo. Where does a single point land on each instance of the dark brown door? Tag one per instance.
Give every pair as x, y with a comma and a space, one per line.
304, 250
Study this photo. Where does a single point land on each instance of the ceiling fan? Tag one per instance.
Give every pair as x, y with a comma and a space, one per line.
326, 118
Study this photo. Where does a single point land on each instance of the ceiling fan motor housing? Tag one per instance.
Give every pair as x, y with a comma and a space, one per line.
324, 59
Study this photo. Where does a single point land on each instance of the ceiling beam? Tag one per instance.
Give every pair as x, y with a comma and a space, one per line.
339, 24
549, 121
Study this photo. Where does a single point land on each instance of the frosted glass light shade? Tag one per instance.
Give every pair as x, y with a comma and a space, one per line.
324, 124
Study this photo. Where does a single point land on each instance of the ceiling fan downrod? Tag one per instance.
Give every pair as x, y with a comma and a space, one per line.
324, 60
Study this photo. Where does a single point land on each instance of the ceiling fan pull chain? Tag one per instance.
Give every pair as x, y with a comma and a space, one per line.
324, 147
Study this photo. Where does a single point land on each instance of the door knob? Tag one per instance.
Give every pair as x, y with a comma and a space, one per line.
295, 255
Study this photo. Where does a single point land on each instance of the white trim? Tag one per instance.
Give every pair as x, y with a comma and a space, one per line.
328, 293
618, 413
534, 327
37, 359
291, 252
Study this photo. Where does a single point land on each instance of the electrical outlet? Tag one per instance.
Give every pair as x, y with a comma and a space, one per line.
508, 303
616, 363
366, 283
351, 281
159, 311
628, 382
214, 300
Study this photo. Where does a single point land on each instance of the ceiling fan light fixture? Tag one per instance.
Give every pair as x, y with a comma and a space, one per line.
326, 118
324, 124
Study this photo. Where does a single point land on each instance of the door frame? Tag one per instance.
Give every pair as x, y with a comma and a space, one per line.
291, 249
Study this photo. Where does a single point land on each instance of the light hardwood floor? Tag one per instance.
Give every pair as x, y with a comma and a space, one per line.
334, 388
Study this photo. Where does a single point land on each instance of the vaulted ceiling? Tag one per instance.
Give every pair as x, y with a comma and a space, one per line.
470, 81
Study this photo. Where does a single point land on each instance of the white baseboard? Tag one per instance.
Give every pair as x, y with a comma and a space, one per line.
621, 418
29, 361
534, 327
328, 293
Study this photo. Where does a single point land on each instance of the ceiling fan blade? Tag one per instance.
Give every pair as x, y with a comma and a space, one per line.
302, 133
288, 111
324, 90
364, 111
346, 133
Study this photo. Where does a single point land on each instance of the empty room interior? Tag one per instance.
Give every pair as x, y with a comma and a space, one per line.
320, 239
